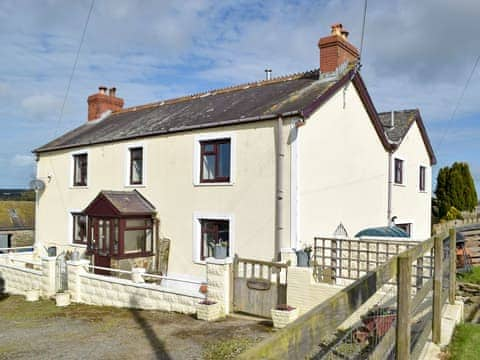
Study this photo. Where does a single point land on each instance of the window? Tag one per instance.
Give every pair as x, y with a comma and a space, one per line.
138, 236
406, 227
121, 238
136, 166
215, 161
398, 171
80, 162
421, 184
215, 238
79, 228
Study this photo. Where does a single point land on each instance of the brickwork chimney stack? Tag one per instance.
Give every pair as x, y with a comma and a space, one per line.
335, 49
100, 102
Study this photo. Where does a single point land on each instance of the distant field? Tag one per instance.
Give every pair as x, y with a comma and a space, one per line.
17, 194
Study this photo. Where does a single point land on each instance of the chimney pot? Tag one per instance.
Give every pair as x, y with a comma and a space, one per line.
335, 49
268, 74
99, 103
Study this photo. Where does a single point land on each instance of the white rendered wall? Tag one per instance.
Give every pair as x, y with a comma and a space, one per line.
169, 168
343, 170
409, 204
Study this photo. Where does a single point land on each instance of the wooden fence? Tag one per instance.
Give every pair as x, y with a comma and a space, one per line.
301, 338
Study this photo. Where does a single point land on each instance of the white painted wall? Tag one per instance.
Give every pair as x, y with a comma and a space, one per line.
409, 204
342, 170
170, 169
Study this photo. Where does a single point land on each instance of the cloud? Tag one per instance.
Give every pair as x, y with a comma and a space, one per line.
23, 160
416, 54
43, 106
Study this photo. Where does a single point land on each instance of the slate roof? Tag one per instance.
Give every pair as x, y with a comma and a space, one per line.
17, 215
125, 202
403, 119
262, 100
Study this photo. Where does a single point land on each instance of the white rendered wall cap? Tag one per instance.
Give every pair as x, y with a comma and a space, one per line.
212, 260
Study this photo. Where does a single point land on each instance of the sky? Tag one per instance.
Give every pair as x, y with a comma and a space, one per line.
417, 54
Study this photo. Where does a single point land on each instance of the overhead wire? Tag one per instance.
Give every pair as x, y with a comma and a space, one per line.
459, 101
74, 67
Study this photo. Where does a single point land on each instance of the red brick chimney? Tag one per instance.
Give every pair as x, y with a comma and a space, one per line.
100, 102
335, 49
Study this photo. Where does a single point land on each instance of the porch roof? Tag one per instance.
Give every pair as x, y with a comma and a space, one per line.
120, 203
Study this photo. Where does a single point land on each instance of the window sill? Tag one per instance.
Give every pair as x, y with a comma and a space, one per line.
214, 184
136, 186
400, 185
82, 246
78, 187
422, 192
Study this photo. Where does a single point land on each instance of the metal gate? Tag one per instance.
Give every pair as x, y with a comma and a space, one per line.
61, 279
258, 286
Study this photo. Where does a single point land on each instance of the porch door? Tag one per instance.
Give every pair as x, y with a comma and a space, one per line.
101, 231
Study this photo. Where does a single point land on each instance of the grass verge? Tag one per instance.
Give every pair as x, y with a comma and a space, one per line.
472, 277
464, 345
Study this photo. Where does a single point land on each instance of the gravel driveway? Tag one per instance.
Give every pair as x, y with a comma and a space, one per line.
41, 330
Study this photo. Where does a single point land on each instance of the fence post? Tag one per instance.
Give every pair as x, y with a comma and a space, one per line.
404, 276
437, 291
453, 266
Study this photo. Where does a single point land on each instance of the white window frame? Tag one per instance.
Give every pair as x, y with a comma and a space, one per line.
426, 176
127, 165
406, 221
404, 171
72, 168
197, 152
70, 228
197, 232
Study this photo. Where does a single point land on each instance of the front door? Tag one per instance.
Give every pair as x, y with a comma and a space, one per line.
100, 230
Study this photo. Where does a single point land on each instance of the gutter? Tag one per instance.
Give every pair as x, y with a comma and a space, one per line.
169, 131
390, 185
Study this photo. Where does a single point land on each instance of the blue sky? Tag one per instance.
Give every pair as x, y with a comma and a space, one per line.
416, 55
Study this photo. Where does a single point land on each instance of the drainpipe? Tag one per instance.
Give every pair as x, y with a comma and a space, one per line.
390, 184
279, 159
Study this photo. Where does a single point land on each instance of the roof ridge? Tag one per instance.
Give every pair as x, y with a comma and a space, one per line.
227, 89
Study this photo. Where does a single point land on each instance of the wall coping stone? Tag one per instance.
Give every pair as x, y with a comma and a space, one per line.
31, 271
225, 261
141, 285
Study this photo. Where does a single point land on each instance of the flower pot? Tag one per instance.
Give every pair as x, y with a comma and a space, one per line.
209, 311
282, 318
62, 299
303, 258
219, 252
32, 295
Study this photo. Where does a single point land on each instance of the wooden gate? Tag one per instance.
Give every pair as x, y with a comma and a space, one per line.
258, 286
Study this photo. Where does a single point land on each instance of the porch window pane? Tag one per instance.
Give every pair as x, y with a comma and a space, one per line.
134, 241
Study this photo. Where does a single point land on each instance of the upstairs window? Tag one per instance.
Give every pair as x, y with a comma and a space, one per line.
136, 166
79, 228
80, 162
215, 161
398, 171
421, 179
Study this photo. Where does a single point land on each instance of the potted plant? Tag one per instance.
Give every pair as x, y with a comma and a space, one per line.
208, 310
62, 298
303, 256
220, 249
283, 314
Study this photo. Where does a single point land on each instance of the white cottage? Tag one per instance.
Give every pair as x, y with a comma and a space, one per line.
252, 169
